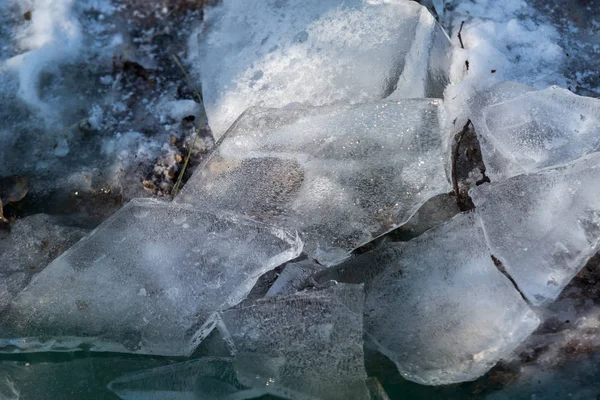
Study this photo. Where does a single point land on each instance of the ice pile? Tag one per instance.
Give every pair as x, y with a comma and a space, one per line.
316, 52
341, 175
146, 281
543, 226
303, 346
441, 310
524, 130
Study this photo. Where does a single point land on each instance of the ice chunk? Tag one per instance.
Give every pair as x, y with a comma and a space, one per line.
315, 52
293, 278
206, 378
33, 243
144, 282
304, 346
342, 175
441, 310
543, 226
524, 130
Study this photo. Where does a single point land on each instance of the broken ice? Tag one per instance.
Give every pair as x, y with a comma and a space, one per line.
543, 226
205, 378
293, 278
341, 175
441, 310
144, 282
524, 130
304, 346
316, 52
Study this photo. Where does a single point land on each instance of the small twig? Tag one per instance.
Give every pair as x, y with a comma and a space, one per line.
462, 46
189, 155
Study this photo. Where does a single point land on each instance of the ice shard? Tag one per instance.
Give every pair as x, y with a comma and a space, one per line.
340, 175
524, 130
304, 346
441, 310
293, 278
202, 379
543, 227
146, 281
316, 52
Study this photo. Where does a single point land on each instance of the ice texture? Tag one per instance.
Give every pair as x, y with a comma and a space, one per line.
145, 281
293, 278
272, 53
543, 226
33, 243
303, 346
341, 175
524, 130
207, 378
441, 310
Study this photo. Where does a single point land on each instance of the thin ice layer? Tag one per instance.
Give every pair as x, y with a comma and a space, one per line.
441, 310
525, 130
304, 346
202, 379
293, 278
271, 53
544, 226
341, 175
144, 282
67, 377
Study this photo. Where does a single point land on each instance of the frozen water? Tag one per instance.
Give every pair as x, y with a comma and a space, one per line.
73, 379
315, 52
525, 130
543, 226
33, 243
293, 277
304, 346
441, 310
144, 282
203, 379
341, 175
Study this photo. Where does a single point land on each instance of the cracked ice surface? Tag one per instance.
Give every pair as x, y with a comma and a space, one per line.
341, 175
316, 52
144, 282
544, 226
524, 130
304, 346
441, 310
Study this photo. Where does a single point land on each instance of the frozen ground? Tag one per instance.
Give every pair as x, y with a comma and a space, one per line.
96, 112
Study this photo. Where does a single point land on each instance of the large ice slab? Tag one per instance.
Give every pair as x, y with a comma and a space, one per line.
524, 130
202, 379
316, 52
543, 226
145, 281
304, 346
441, 310
341, 175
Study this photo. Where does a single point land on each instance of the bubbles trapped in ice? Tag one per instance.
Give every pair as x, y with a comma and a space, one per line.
340, 175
